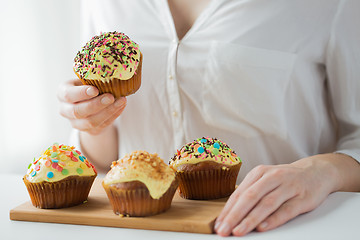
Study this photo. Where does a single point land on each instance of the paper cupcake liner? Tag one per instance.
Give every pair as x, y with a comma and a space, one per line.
119, 88
138, 202
208, 184
67, 192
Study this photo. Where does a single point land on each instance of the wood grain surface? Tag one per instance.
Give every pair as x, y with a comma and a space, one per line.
184, 215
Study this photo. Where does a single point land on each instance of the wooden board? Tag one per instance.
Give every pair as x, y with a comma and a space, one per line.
184, 215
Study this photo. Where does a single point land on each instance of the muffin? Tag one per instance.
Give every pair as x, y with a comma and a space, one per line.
207, 168
140, 184
111, 62
60, 177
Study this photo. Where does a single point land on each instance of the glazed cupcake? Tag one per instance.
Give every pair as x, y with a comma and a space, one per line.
207, 168
111, 62
140, 184
60, 177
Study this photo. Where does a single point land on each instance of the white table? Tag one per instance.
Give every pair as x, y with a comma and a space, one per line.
337, 218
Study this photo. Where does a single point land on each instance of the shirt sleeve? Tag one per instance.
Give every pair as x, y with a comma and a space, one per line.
343, 75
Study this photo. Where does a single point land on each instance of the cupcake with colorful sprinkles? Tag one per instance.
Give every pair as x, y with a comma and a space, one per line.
60, 177
111, 62
207, 169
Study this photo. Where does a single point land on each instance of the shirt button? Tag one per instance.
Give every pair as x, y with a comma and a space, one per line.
170, 77
174, 113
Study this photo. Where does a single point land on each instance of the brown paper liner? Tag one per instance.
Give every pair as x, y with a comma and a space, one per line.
119, 88
208, 184
67, 192
134, 200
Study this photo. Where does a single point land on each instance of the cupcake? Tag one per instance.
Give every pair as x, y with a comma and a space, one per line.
111, 62
207, 168
140, 184
60, 177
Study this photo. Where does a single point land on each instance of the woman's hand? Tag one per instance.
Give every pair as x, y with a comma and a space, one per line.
85, 109
269, 196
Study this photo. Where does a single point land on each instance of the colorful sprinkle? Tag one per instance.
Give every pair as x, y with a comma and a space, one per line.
79, 170
59, 168
48, 163
37, 167
54, 155
33, 173
65, 172
216, 145
50, 174
200, 149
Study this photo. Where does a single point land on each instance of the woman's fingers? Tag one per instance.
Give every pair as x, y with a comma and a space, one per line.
245, 203
102, 118
87, 108
74, 91
267, 205
251, 178
286, 212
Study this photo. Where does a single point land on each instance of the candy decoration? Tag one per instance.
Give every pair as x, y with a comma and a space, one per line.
65, 172
200, 149
79, 170
216, 145
29, 165
37, 167
50, 174
59, 168
54, 165
203, 140
54, 154
215, 151
48, 163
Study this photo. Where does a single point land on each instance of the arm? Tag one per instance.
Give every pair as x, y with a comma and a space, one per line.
270, 196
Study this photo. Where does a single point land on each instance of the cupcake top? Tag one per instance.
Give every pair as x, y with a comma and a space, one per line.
107, 56
141, 166
58, 162
205, 149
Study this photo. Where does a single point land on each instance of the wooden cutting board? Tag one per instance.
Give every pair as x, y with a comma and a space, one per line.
184, 215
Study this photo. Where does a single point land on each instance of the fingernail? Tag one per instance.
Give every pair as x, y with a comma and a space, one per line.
106, 100
91, 92
120, 102
224, 229
263, 225
217, 224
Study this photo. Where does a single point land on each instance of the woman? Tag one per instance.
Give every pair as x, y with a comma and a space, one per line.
277, 80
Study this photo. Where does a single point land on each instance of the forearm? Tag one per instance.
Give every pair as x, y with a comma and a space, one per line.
101, 149
343, 170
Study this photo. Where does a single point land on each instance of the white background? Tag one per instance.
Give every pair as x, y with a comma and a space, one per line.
38, 42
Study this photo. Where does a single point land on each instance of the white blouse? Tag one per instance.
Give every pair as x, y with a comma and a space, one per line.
276, 80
